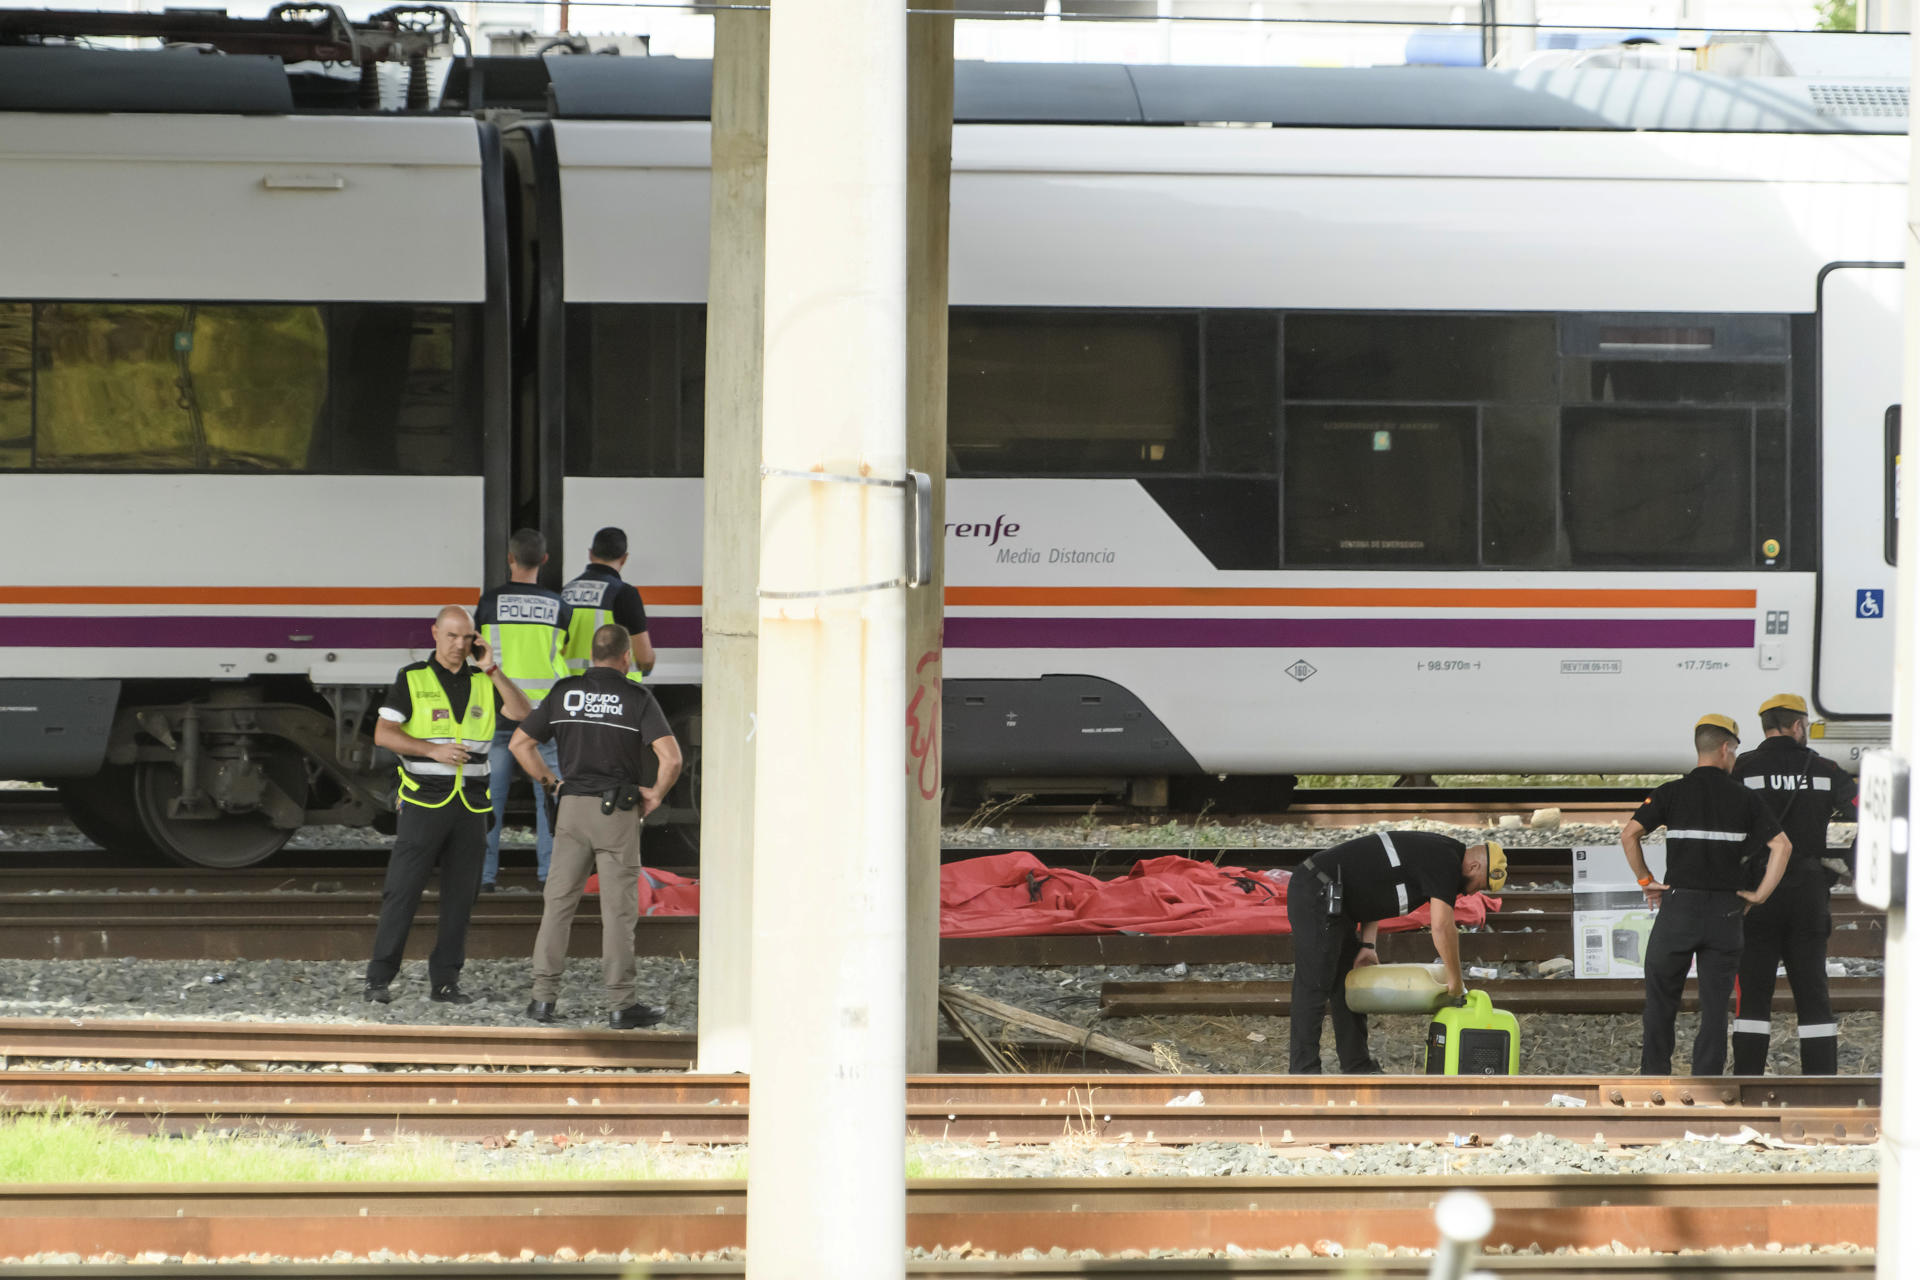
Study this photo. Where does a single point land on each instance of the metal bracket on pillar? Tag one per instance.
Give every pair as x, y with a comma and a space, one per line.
919, 551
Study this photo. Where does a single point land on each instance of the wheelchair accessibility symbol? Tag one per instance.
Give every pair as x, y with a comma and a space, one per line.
1869, 603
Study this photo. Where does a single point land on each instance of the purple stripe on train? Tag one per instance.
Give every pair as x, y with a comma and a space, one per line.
1348, 633
95, 632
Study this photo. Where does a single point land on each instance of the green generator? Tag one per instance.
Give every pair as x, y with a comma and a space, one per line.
1474, 1039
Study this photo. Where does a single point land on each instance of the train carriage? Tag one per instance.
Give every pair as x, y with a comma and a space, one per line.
1445, 420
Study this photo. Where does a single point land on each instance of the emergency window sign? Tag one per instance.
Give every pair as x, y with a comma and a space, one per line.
1869, 602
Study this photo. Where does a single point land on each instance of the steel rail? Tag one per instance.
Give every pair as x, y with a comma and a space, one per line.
1707, 1266
1665, 1213
1274, 1111
331, 926
1516, 995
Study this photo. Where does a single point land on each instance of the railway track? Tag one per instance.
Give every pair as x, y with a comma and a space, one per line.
1663, 1213
1276, 1111
1515, 995
314, 917
1704, 1266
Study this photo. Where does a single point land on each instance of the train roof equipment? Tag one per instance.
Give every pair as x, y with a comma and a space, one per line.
209, 61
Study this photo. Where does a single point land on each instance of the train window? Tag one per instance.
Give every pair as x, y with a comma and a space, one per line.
1065, 393
636, 390
1520, 507
1361, 356
1658, 487
401, 404
16, 386
339, 388
162, 387
1378, 484
1676, 382
1242, 348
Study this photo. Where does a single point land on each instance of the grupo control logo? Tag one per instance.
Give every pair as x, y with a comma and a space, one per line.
579, 702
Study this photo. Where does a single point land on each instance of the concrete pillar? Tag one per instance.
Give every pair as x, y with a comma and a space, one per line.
826, 1187
730, 563
1899, 1244
929, 174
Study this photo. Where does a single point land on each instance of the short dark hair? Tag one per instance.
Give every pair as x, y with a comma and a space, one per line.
611, 641
1780, 718
527, 548
608, 544
1709, 738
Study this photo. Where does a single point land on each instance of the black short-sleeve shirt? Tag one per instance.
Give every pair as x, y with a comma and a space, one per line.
603, 725
1801, 786
1374, 888
1712, 823
600, 586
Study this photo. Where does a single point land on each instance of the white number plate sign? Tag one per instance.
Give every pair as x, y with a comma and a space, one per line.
1880, 877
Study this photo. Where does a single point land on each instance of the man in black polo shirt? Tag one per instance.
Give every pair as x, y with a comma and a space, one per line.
1806, 790
608, 730
1335, 903
1711, 822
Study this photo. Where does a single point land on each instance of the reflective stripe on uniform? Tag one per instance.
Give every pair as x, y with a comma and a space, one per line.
433, 715
1733, 837
1820, 1031
1757, 782
1393, 860
434, 769
1823, 784
1751, 1026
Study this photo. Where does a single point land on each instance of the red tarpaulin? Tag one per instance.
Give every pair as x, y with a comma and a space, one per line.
1017, 895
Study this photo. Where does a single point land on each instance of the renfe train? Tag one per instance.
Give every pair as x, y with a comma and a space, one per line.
1447, 420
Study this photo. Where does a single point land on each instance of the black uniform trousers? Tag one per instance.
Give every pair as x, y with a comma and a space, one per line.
1323, 952
1693, 924
454, 838
1792, 925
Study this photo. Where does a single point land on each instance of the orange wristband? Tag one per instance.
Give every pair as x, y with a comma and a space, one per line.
1645, 881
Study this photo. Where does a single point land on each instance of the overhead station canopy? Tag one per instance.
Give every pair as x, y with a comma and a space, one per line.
1292, 97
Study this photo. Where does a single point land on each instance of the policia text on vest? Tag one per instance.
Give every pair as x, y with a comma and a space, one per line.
526, 625
439, 719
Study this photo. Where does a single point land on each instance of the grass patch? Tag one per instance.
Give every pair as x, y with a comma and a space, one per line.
75, 1145
78, 1146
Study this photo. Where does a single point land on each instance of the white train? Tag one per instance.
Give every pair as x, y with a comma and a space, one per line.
1454, 420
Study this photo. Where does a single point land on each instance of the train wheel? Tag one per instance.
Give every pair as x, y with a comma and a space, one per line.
225, 842
103, 808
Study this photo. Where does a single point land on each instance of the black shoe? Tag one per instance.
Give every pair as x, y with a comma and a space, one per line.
541, 1011
489, 887
450, 994
377, 994
1367, 1068
634, 1016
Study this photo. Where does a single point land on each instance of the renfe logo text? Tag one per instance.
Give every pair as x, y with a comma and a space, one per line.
1000, 528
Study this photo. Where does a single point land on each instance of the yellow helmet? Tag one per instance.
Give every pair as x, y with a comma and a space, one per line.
1496, 866
1718, 722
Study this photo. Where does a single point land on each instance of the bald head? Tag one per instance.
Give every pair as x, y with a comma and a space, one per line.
453, 637
613, 647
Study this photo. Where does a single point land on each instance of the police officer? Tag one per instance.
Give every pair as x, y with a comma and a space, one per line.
1804, 790
1335, 903
604, 725
526, 625
440, 721
1710, 821
598, 597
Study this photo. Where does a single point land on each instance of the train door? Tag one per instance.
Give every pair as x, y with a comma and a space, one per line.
1860, 362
